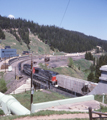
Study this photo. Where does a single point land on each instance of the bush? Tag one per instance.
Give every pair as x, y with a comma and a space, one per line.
1, 112
3, 87
90, 77
70, 62
89, 56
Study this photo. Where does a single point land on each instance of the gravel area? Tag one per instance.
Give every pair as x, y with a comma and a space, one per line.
10, 80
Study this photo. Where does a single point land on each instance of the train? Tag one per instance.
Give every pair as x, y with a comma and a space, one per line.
41, 74
62, 82
75, 85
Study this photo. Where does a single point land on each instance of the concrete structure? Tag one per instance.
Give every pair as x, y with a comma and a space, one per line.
44, 105
7, 53
103, 73
102, 85
23, 88
11, 106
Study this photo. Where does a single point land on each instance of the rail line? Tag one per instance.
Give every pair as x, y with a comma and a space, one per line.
44, 85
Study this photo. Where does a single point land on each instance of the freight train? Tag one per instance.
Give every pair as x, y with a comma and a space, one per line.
63, 82
41, 74
76, 85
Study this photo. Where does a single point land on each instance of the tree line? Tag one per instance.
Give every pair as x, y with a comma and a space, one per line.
57, 38
95, 67
2, 35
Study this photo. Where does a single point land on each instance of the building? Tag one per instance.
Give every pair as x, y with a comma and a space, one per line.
7, 53
103, 73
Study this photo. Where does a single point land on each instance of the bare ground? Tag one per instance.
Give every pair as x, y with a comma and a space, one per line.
56, 117
81, 105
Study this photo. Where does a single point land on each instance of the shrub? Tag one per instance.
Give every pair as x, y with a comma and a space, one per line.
70, 62
3, 87
1, 112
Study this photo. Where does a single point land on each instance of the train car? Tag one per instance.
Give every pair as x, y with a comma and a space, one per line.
76, 85
45, 75
41, 74
27, 69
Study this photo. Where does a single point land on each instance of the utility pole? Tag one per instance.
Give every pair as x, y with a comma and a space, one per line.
15, 73
9, 59
5, 64
32, 89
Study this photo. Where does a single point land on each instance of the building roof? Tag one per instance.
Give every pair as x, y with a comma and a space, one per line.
103, 68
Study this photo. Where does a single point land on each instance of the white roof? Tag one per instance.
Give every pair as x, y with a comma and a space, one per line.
103, 68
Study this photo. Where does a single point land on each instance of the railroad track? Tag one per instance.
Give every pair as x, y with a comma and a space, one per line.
39, 84
11, 61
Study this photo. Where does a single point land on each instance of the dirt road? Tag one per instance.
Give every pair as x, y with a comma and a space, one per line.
56, 117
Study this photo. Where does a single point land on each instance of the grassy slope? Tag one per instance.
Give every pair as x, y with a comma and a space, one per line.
11, 41
84, 66
40, 48
74, 72
38, 97
70, 72
35, 45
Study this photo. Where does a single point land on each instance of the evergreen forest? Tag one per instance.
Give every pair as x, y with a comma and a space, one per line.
57, 38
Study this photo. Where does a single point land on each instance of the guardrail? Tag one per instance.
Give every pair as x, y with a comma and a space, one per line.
98, 113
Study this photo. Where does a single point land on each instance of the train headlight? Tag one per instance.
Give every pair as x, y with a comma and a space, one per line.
56, 85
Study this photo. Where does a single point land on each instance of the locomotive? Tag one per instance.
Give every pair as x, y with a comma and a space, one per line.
41, 74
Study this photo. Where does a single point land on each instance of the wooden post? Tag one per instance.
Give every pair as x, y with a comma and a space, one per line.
15, 73
5, 64
32, 89
90, 113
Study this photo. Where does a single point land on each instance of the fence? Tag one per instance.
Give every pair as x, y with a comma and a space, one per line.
98, 113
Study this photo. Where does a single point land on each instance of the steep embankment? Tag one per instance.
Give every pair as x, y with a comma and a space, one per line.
36, 45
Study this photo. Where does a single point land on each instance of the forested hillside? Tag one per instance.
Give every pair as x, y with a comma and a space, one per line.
64, 40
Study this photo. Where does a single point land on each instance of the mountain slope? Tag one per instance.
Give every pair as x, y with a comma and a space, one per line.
64, 40
36, 45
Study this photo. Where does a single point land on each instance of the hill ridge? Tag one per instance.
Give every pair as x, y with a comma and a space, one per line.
57, 38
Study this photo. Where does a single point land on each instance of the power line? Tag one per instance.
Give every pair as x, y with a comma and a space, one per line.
65, 12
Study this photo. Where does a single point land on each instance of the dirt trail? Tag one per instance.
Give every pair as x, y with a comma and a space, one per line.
56, 117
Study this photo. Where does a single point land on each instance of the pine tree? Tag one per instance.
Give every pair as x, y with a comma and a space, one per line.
90, 77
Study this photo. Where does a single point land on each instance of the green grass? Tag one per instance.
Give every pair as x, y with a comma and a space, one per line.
43, 113
84, 66
11, 41
1, 74
38, 97
35, 45
41, 97
99, 98
52, 112
69, 71
73, 72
